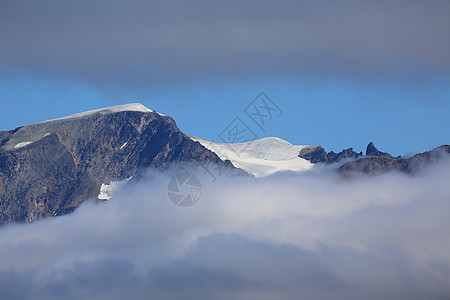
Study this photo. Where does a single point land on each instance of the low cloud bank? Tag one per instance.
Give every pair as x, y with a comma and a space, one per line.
288, 236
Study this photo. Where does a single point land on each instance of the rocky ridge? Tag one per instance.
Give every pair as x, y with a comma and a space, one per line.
375, 161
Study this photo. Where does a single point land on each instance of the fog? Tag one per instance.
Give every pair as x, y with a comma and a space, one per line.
312, 235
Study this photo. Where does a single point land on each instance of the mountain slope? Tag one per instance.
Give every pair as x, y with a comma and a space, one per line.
50, 168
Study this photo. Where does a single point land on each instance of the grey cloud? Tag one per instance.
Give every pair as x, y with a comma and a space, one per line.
142, 42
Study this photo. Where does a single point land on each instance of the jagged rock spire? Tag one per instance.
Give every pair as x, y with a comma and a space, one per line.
371, 150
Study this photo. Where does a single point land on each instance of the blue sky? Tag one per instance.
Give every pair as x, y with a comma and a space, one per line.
334, 112
344, 74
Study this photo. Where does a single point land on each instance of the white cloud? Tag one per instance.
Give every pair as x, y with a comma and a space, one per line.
314, 236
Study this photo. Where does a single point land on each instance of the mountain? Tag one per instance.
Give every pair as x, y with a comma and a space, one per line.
374, 162
50, 168
385, 163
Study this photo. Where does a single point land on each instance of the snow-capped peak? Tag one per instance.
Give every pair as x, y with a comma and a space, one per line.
260, 157
111, 109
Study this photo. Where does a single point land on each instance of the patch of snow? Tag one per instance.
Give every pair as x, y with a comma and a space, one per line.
107, 190
47, 134
23, 144
261, 157
112, 109
123, 146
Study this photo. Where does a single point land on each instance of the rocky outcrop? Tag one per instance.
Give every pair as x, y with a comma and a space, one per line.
344, 154
316, 154
374, 161
371, 150
382, 164
50, 168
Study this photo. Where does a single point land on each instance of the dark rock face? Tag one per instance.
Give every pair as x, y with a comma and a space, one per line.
316, 154
375, 161
50, 168
374, 164
337, 157
371, 165
371, 150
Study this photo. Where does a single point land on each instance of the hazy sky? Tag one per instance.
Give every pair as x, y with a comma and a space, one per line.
344, 73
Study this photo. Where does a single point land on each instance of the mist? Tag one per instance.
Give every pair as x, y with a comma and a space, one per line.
311, 235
